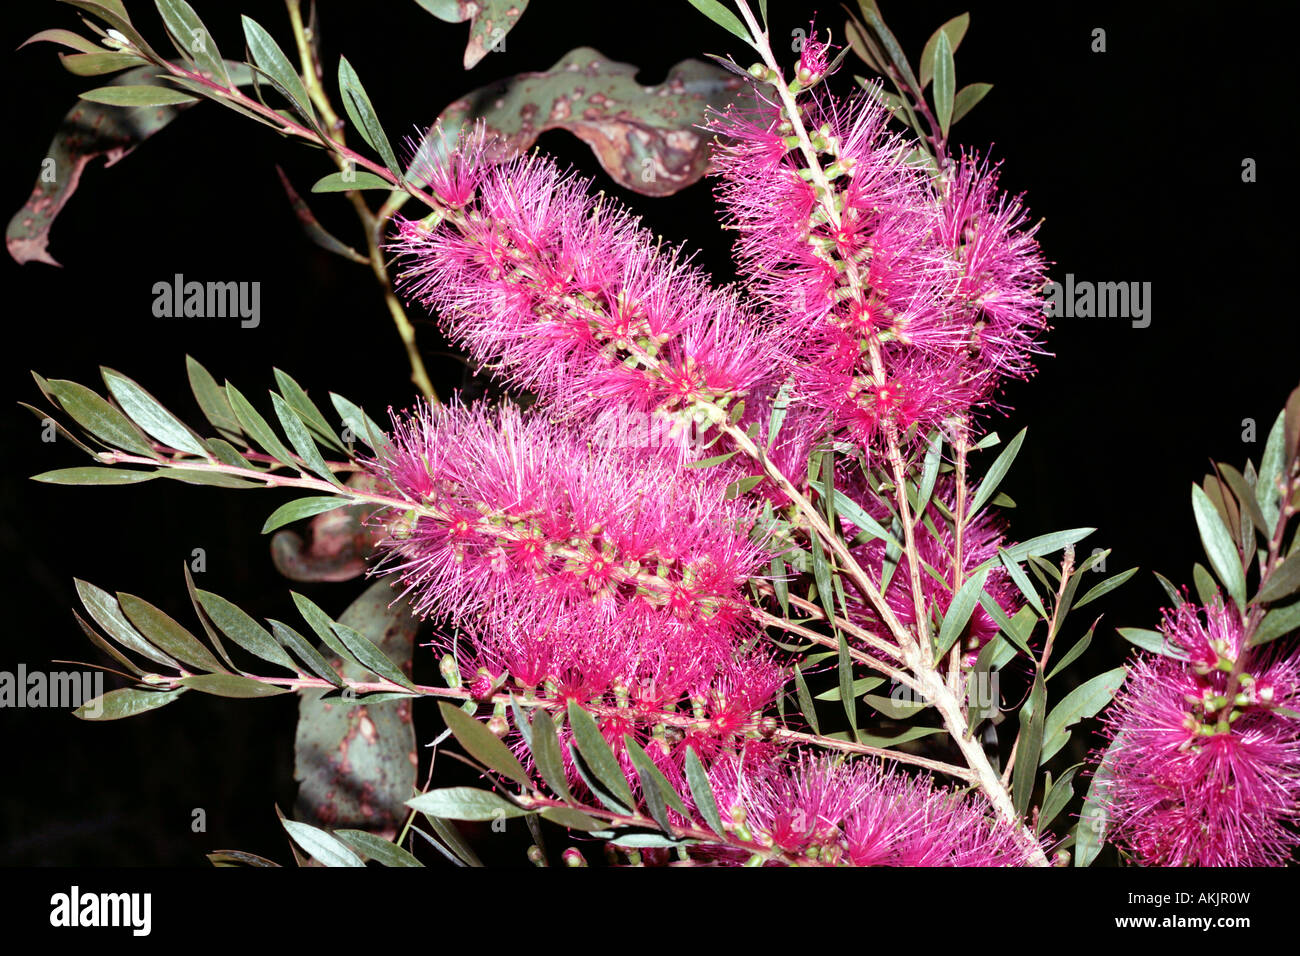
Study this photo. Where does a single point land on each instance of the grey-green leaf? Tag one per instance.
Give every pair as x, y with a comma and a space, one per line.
482, 743
1217, 541
465, 803
147, 412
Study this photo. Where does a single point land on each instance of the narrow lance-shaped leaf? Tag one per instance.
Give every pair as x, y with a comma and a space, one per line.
595, 751
269, 57
997, 471
147, 412
1030, 743
1219, 547
301, 440
243, 630
702, 792
945, 82
959, 612
548, 756
357, 103
193, 39
482, 743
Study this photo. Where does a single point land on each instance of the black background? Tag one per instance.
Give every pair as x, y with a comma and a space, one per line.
1133, 158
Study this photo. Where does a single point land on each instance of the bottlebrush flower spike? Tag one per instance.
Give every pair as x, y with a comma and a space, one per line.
858, 813
1195, 779
1000, 272
568, 296
566, 558
911, 298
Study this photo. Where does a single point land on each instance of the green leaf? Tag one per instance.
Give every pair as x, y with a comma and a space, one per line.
1030, 745
1105, 587
1074, 652
295, 642
93, 476
929, 474
572, 819
98, 63
1206, 590
806, 706
361, 424
710, 462
859, 687
301, 440
653, 783
723, 17
268, 56
311, 416
1047, 543
853, 512
243, 630
166, 634
1283, 582
137, 96
301, 508
323, 625
1152, 641
1021, 581
322, 846
968, 98
702, 792
1061, 793
945, 82
845, 670
953, 31
997, 471
1267, 492
894, 739
376, 848
362, 113
126, 702
548, 756
147, 412
1278, 622
103, 607
356, 179
465, 803
959, 612
1084, 701
1094, 818
212, 399
371, 657
1246, 496
595, 751
256, 426
193, 39
645, 767
482, 744
197, 476
232, 685
1219, 547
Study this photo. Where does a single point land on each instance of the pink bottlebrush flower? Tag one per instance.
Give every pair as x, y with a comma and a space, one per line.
999, 268
856, 812
569, 297
1195, 779
451, 164
814, 58
527, 534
